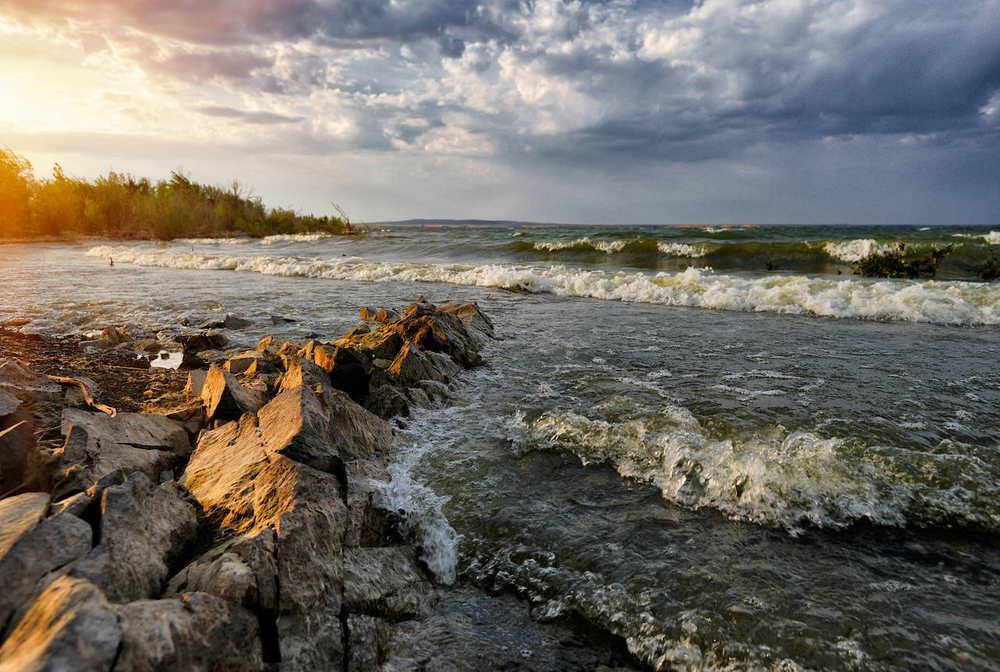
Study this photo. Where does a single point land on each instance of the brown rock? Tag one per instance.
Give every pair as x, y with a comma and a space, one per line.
71, 626
441, 332
23, 468
385, 582
8, 403
144, 528
411, 366
225, 398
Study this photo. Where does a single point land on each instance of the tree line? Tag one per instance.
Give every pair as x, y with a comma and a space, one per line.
118, 205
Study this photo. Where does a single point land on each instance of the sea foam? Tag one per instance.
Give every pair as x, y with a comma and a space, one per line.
939, 302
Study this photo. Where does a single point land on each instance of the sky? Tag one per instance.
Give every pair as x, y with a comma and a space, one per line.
583, 111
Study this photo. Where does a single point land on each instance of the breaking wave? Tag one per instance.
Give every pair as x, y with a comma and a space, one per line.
790, 480
939, 302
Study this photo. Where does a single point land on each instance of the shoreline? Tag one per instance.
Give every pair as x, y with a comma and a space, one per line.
272, 550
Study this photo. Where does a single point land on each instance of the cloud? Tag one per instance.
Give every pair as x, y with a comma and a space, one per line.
263, 118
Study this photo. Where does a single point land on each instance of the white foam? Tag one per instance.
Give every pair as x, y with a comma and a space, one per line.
681, 250
854, 250
939, 302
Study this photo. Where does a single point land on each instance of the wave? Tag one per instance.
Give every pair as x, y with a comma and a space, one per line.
938, 302
789, 480
638, 246
266, 240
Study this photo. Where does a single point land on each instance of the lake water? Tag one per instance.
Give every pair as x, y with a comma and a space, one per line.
714, 442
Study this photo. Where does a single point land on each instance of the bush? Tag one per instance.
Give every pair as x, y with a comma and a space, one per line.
119, 205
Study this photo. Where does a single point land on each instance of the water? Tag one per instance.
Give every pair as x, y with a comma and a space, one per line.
731, 468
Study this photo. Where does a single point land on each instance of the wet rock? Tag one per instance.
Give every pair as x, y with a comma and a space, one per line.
195, 632
23, 467
435, 391
226, 576
225, 398
31, 546
471, 314
369, 639
412, 366
278, 319
357, 332
382, 315
439, 331
388, 401
195, 343
385, 582
144, 528
8, 403
97, 445
71, 626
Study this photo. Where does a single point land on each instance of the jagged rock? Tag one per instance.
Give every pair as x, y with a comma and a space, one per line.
411, 366
70, 626
348, 372
302, 372
23, 468
357, 332
385, 582
369, 638
368, 524
144, 528
240, 363
225, 398
226, 576
382, 315
197, 632
97, 445
195, 343
471, 314
439, 331
31, 546
382, 344
435, 391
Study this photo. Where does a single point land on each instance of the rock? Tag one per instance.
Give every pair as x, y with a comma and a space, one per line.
441, 332
73, 395
411, 366
225, 576
33, 390
97, 445
225, 398
148, 345
278, 319
322, 429
348, 370
70, 626
471, 314
369, 638
208, 340
382, 315
357, 332
144, 528
114, 335
382, 344
435, 391
234, 322
197, 632
388, 401
190, 361
303, 372
240, 363
15, 322
31, 546
195, 383
23, 468
385, 582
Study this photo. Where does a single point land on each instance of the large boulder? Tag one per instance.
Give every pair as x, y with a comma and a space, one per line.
31, 546
471, 314
194, 343
385, 582
196, 632
97, 445
71, 626
412, 366
144, 530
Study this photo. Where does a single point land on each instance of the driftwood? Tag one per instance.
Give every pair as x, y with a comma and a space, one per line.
88, 397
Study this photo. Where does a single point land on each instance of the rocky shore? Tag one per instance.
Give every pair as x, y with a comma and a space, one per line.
237, 523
